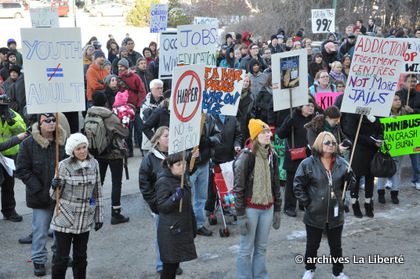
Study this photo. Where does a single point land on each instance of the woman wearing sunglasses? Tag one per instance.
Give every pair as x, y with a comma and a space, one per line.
318, 185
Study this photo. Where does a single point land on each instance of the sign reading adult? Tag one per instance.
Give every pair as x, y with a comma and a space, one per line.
323, 20
185, 107
159, 18
197, 44
168, 54
44, 17
222, 92
374, 73
52, 59
290, 77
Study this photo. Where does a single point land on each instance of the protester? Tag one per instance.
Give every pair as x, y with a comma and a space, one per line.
322, 83
346, 62
347, 47
88, 55
15, 90
316, 65
257, 77
111, 89
336, 73
12, 45
159, 116
133, 55
95, 76
122, 109
245, 109
142, 72
264, 103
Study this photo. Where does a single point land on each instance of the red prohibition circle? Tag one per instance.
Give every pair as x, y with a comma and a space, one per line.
177, 113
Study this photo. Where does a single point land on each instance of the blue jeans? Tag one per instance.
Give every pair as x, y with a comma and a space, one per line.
159, 264
199, 184
395, 179
41, 219
415, 164
254, 244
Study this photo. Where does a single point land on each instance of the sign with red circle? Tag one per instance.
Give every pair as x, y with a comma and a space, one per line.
188, 96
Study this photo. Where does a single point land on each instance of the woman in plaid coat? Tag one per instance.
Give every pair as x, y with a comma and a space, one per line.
80, 206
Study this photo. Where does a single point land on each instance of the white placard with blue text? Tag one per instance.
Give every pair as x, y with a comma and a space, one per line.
206, 20
167, 54
52, 59
197, 44
158, 18
374, 73
44, 17
323, 20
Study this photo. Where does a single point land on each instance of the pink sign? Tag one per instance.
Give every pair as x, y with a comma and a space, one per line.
326, 99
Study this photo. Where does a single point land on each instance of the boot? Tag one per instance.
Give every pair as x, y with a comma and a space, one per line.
369, 208
356, 209
381, 196
394, 197
117, 217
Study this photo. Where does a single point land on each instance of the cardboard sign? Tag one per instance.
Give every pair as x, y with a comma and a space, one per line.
402, 134
290, 74
52, 59
185, 107
168, 54
44, 17
326, 99
412, 56
159, 18
197, 44
323, 20
374, 73
206, 20
222, 91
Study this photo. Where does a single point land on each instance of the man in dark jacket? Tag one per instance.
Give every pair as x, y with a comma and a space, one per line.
274, 45
35, 166
347, 47
159, 116
141, 71
253, 53
11, 60
16, 91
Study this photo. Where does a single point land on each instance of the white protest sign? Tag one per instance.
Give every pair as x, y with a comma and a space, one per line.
412, 56
159, 18
206, 20
185, 107
290, 75
222, 91
323, 20
197, 44
168, 54
44, 17
52, 59
374, 73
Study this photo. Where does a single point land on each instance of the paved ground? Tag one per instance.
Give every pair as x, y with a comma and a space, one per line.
127, 250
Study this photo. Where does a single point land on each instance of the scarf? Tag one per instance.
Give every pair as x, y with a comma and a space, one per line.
244, 94
339, 76
261, 193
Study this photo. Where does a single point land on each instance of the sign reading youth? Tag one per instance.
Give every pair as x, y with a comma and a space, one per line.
52, 59
197, 44
168, 55
159, 18
375, 69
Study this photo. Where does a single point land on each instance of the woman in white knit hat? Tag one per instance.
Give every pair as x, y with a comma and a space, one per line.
80, 206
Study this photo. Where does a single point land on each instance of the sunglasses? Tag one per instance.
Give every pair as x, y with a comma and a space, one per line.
329, 142
48, 120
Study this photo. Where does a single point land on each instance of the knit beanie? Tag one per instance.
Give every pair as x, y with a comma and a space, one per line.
108, 78
73, 141
255, 127
121, 99
14, 68
99, 98
122, 49
124, 62
98, 53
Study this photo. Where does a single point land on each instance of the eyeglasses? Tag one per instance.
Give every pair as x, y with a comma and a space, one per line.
48, 120
324, 76
329, 142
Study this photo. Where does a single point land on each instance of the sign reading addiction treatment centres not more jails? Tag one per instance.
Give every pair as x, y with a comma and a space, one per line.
185, 107
52, 59
374, 73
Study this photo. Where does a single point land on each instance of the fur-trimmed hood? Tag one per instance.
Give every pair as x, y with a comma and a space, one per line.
316, 124
42, 141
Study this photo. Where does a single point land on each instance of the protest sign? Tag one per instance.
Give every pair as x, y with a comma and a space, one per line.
206, 20
52, 59
401, 134
44, 17
323, 20
168, 54
412, 56
159, 18
374, 72
197, 44
290, 75
326, 99
222, 91
185, 107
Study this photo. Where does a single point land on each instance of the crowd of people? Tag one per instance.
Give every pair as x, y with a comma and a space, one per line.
63, 166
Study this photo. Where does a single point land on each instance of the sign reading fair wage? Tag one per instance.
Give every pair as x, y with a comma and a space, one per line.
185, 107
374, 73
52, 59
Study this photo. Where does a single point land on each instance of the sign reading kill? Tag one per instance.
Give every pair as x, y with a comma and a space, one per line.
374, 72
52, 59
185, 107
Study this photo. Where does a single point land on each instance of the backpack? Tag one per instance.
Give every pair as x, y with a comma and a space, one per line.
97, 134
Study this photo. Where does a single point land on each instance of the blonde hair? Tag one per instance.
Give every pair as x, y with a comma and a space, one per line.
317, 147
335, 64
159, 132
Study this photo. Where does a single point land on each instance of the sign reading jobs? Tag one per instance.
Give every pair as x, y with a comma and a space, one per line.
52, 59
374, 72
185, 107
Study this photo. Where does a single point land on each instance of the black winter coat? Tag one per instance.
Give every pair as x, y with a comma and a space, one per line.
209, 139
312, 190
176, 230
150, 169
264, 106
297, 121
413, 101
245, 113
230, 137
158, 118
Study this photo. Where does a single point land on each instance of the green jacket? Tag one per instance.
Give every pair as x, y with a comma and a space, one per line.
6, 131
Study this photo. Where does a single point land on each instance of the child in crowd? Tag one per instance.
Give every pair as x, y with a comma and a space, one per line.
122, 109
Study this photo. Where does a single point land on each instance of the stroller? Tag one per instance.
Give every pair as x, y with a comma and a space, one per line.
224, 201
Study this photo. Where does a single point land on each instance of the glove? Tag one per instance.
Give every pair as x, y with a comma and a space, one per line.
276, 220
179, 193
243, 224
98, 226
56, 183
